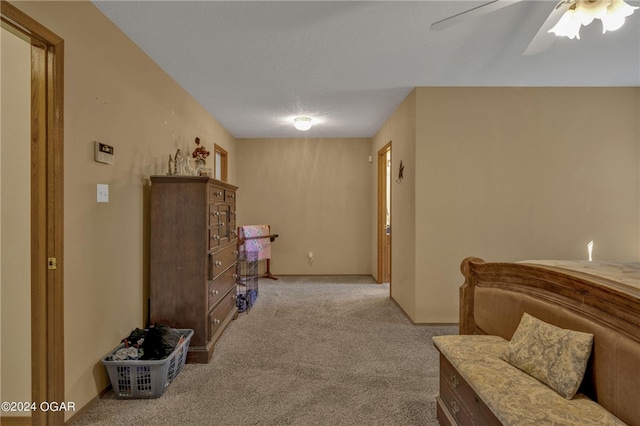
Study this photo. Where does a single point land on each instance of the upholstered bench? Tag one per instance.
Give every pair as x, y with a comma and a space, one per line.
478, 387
496, 372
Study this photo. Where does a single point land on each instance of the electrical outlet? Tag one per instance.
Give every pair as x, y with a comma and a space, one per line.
103, 193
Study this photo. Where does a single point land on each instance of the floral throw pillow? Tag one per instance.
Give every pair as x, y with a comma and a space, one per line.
555, 356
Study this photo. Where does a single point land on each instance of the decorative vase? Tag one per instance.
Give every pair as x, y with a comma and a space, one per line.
200, 164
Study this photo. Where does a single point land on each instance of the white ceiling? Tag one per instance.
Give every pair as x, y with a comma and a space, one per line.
255, 64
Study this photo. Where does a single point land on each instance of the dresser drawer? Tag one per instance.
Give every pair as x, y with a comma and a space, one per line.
450, 377
221, 312
214, 237
456, 394
215, 194
214, 214
220, 286
220, 260
456, 406
230, 195
233, 232
460, 401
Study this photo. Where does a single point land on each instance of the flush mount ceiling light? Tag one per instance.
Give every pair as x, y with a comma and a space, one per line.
302, 123
612, 13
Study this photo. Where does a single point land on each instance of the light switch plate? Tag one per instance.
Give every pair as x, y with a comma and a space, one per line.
103, 193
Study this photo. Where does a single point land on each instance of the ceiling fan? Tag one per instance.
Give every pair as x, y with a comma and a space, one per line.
543, 39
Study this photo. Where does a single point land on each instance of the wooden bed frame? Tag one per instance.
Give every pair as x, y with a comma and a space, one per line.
495, 295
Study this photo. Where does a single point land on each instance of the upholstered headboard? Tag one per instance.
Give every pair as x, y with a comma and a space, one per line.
495, 295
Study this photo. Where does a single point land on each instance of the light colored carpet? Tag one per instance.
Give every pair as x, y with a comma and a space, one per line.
312, 351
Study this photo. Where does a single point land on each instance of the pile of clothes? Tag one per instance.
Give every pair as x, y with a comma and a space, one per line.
154, 343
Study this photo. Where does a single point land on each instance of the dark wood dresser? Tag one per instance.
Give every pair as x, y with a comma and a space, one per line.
193, 258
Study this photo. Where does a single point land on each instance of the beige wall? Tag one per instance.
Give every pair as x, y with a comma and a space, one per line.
15, 219
115, 94
522, 173
400, 129
316, 195
517, 173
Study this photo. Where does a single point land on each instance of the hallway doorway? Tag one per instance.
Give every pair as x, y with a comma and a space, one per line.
43, 160
384, 215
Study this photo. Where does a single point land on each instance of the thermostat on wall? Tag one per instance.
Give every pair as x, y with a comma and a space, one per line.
103, 153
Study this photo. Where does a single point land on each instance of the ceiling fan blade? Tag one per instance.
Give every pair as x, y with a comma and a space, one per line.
472, 13
543, 38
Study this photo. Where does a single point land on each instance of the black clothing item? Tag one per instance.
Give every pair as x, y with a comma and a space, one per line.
159, 342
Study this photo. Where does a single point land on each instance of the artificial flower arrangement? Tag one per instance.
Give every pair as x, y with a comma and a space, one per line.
200, 153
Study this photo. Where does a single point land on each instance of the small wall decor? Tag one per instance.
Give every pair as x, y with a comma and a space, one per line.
400, 173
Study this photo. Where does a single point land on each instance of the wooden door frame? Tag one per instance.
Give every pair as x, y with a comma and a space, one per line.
47, 298
224, 159
382, 195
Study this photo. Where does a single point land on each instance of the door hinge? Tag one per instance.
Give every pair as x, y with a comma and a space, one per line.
52, 263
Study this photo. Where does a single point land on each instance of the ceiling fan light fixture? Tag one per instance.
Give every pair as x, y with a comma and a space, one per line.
588, 10
612, 23
302, 123
568, 25
612, 13
617, 12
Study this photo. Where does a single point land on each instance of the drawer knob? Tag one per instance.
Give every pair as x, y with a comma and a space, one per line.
235, 276
214, 292
218, 263
216, 321
454, 381
455, 408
